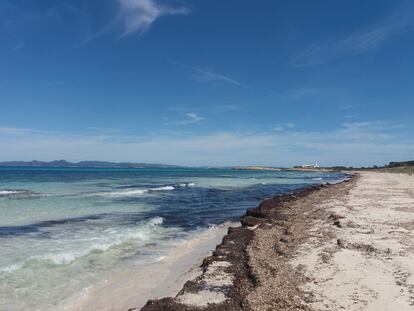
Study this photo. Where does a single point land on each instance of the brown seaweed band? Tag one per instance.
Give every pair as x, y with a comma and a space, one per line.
274, 211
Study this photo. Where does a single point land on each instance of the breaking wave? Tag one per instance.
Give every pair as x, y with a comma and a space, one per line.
16, 193
106, 240
137, 192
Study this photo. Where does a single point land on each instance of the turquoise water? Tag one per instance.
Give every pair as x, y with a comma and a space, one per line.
63, 230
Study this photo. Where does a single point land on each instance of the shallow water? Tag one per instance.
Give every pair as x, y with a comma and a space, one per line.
64, 230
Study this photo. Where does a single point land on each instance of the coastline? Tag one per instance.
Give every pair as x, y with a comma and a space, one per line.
101, 254
234, 274
137, 286
346, 246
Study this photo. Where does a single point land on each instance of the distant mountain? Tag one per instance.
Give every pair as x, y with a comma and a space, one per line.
93, 164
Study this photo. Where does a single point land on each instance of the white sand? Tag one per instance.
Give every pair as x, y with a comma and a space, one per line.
162, 279
371, 267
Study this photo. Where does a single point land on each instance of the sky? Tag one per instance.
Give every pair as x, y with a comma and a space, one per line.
211, 83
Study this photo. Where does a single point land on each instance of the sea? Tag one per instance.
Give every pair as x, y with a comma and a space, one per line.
62, 230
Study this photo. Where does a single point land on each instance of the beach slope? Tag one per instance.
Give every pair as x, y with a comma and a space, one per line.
345, 246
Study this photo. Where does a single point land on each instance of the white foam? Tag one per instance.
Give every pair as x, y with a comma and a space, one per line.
190, 184
7, 192
156, 221
11, 268
132, 192
139, 192
165, 188
125, 193
106, 240
59, 258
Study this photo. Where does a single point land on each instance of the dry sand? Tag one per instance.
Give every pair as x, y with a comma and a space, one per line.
249, 270
365, 261
348, 246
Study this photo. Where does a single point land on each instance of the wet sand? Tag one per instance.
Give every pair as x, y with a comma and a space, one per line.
157, 280
348, 246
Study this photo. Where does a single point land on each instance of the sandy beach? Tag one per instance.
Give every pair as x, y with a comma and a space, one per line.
183, 155
346, 246
164, 278
366, 260
84, 239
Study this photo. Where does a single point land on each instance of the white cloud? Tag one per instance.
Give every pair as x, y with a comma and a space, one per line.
190, 118
359, 42
362, 143
209, 76
194, 117
284, 126
138, 15
203, 75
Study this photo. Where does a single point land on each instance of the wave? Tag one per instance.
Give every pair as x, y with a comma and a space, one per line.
16, 193
108, 239
8, 192
164, 188
138, 192
156, 221
11, 268
189, 184
132, 192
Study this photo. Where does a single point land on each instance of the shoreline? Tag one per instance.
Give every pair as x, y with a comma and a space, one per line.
344, 246
137, 286
227, 278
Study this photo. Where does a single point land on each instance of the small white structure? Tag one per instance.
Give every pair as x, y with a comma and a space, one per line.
310, 165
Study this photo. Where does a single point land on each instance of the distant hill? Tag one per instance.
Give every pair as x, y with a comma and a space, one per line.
93, 164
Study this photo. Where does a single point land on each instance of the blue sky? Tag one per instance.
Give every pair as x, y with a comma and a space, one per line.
207, 82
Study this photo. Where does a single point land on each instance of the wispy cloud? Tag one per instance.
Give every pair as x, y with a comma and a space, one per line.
357, 143
190, 118
356, 106
284, 126
193, 117
207, 76
119, 17
137, 16
214, 77
350, 116
359, 42
4, 130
